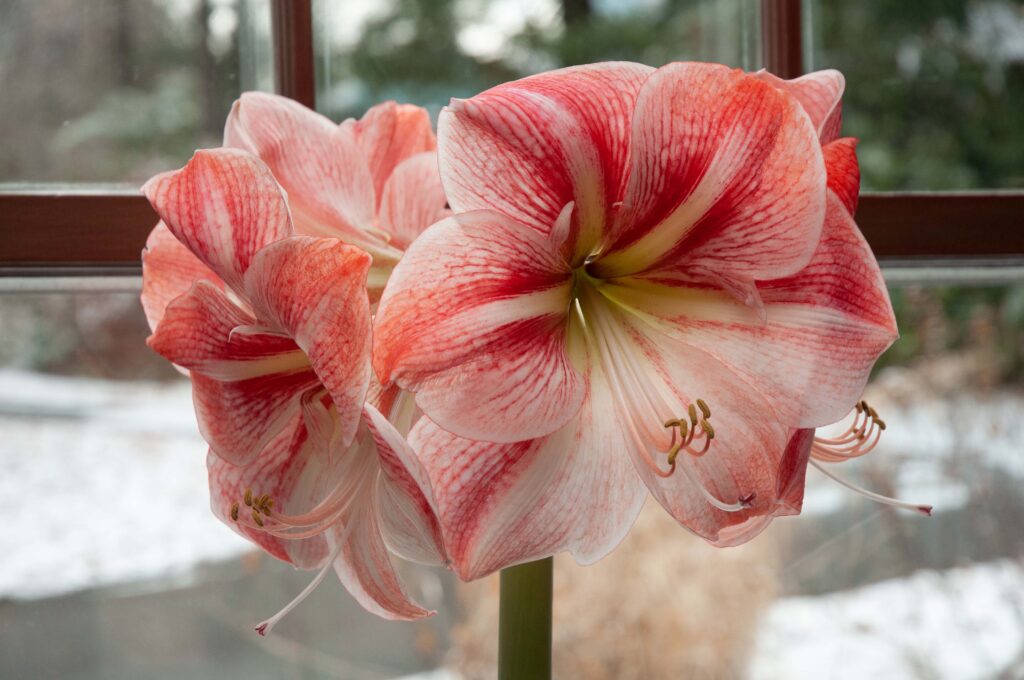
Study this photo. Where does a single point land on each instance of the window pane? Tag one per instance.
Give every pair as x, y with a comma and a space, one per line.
934, 89
427, 51
117, 90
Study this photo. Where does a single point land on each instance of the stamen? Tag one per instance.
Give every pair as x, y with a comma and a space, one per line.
266, 626
234, 511
925, 510
860, 437
703, 406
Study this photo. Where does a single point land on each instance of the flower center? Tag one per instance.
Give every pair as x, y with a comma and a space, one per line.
647, 403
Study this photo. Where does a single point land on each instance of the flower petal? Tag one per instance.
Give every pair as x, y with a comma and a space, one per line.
319, 164
168, 270
245, 385
407, 513
224, 206
413, 199
473, 322
823, 328
504, 504
726, 174
315, 291
655, 378
390, 133
291, 470
843, 171
365, 568
529, 147
820, 94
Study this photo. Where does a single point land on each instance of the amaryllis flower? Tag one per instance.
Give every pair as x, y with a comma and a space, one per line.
274, 330
371, 182
648, 286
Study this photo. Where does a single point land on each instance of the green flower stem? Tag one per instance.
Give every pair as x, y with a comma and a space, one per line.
524, 629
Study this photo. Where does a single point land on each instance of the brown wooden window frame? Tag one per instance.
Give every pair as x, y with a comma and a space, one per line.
79, 232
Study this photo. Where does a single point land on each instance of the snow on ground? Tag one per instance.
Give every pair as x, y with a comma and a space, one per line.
103, 482
959, 624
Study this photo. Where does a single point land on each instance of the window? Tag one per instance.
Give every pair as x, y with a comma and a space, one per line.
104, 470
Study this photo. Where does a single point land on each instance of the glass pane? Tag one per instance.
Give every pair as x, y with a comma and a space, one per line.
428, 51
934, 89
117, 90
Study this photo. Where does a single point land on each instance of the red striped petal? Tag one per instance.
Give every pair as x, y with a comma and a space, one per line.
314, 290
821, 331
503, 504
390, 133
413, 199
726, 174
408, 521
473, 322
223, 206
821, 96
320, 165
529, 147
168, 270
365, 568
843, 171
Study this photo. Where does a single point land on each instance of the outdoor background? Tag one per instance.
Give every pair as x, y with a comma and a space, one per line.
111, 565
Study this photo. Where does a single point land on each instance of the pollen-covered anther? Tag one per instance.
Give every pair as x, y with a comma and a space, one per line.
859, 438
234, 511
685, 430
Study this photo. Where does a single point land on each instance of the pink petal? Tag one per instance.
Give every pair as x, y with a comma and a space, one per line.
504, 504
407, 514
529, 147
283, 472
820, 94
413, 199
319, 164
223, 206
315, 291
843, 171
655, 378
390, 133
246, 385
473, 322
365, 568
822, 328
726, 174
168, 270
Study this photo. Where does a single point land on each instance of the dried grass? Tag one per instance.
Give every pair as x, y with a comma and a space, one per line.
663, 605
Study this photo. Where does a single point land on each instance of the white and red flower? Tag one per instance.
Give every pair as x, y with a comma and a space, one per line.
274, 331
372, 182
635, 254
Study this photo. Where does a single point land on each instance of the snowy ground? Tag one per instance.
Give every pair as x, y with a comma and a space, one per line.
103, 482
961, 624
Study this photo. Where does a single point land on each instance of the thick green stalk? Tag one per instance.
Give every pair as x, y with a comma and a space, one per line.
524, 629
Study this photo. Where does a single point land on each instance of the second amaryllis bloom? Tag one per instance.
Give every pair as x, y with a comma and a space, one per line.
274, 330
652, 283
